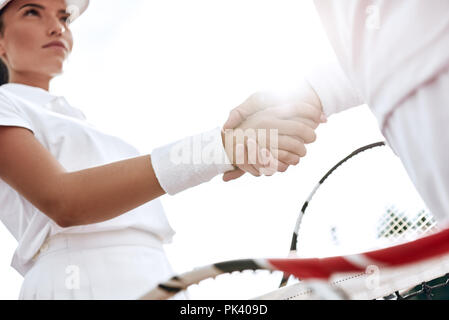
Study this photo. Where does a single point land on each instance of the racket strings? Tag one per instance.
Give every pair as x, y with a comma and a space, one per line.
395, 225
296, 237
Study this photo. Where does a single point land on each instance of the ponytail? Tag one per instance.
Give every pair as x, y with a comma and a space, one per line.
4, 74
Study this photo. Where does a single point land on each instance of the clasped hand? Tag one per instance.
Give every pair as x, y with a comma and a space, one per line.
268, 132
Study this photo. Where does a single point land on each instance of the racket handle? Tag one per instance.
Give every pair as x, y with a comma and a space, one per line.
284, 280
293, 245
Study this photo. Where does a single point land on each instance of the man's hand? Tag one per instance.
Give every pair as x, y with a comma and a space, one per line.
301, 109
280, 132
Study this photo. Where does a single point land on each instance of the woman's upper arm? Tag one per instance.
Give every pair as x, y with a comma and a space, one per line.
30, 169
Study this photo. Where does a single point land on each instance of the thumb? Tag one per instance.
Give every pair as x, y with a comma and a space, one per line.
234, 120
232, 175
323, 118
257, 102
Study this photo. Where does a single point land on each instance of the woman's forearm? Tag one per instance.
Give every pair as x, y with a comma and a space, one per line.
102, 193
98, 194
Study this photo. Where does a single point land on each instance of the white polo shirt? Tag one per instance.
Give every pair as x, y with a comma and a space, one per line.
386, 50
394, 56
63, 130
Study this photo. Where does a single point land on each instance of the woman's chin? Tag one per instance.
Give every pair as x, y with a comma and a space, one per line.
55, 70
56, 73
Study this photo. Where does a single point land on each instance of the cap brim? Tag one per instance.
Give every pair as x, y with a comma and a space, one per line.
4, 3
75, 7
80, 5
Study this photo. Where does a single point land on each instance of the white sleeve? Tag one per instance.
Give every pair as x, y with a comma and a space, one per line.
10, 115
333, 88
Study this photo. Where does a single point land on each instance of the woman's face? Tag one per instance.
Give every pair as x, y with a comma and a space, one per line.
29, 25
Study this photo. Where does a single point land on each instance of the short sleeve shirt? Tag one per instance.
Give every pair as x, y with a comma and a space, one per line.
65, 132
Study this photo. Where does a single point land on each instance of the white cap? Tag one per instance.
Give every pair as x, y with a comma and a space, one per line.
74, 7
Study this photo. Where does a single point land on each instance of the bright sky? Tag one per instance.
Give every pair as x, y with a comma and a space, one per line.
153, 72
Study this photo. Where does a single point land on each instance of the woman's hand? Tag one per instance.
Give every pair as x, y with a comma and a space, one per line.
291, 119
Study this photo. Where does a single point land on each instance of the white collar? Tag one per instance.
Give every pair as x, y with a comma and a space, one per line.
35, 94
43, 98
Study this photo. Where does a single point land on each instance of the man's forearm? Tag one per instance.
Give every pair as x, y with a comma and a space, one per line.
333, 89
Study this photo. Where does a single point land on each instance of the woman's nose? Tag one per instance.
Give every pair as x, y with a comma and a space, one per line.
56, 27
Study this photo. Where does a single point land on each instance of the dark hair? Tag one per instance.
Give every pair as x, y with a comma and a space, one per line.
4, 74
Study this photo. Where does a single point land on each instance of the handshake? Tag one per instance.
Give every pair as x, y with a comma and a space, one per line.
264, 135
268, 132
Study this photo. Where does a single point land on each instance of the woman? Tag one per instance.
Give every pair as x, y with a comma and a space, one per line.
83, 204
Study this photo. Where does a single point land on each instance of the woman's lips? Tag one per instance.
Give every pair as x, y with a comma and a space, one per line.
56, 47
56, 44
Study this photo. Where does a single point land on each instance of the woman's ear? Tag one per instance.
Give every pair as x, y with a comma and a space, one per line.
2, 47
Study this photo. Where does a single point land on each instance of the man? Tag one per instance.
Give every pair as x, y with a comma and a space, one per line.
394, 56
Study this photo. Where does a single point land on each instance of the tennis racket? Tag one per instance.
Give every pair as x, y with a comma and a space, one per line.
355, 186
365, 202
398, 266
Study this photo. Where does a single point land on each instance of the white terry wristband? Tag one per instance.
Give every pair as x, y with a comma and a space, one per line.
190, 162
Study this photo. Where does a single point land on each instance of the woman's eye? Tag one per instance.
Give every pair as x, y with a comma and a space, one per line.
33, 11
29, 11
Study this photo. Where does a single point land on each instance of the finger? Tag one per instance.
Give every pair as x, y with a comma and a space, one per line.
301, 110
273, 166
310, 123
292, 145
268, 165
264, 156
242, 160
270, 169
282, 167
291, 128
263, 161
250, 169
288, 157
252, 151
233, 175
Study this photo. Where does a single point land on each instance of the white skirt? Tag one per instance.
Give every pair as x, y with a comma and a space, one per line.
113, 265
